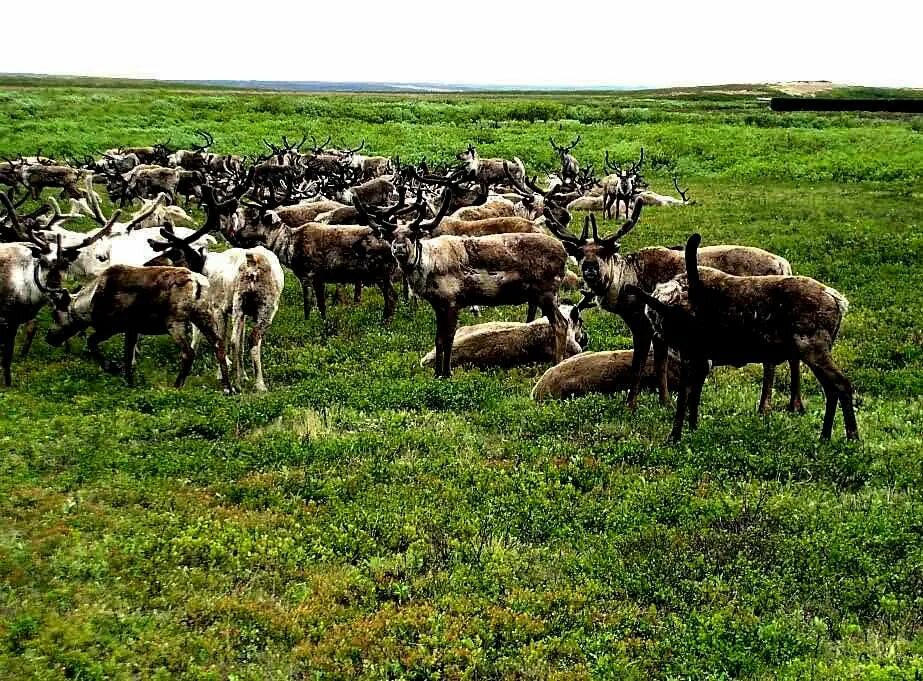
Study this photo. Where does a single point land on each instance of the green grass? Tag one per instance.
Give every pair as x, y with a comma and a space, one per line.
365, 520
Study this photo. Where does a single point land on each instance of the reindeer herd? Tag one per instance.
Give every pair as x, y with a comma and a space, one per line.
481, 232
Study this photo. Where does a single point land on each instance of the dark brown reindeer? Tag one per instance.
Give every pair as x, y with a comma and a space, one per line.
712, 317
607, 272
570, 168
452, 272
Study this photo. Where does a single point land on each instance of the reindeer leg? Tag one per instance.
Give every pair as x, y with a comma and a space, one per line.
93, 342
685, 390
446, 322
795, 404
128, 356
549, 306
837, 389
641, 346
532, 311
320, 298
307, 295
661, 359
235, 347
7, 339
256, 356
769, 374
30, 327
180, 332
357, 293
699, 374
390, 296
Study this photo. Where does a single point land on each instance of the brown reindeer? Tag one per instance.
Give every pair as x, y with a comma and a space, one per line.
607, 272
712, 317
452, 272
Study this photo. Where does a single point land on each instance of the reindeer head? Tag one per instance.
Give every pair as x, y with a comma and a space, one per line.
600, 261
629, 181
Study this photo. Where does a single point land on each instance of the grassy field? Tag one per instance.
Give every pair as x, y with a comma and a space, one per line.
365, 520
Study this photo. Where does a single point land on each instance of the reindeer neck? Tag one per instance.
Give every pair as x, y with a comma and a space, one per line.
281, 243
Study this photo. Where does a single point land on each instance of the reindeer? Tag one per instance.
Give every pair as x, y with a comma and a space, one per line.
319, 253
135, 301
125, 243
155, 155
25, 267
375, 192
147, 181
195, 158
606, 373
490, 171
537, 200
242, 283
452, 272
606, 272
712, 317
36, 177
508, 344
569, 166
622, 186
649, 198
368, 167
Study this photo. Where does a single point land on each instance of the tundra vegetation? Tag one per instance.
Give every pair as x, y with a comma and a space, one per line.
365, 519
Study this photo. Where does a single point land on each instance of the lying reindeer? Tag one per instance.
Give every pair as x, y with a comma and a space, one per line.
712, 317
605, 373
508, 344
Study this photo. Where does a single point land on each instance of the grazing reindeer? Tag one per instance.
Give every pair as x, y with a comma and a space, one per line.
25, 266
622, 186
607, 273
37, 177
147, 181
452, 272
569, 166
134, 301
712, 317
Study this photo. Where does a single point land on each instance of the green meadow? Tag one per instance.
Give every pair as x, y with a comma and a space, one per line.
365, 520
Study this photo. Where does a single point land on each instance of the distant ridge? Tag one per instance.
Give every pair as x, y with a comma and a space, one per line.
369, 86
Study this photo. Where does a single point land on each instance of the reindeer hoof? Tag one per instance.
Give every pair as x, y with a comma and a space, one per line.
796, 407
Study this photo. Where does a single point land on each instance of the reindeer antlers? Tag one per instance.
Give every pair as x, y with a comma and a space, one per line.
564, 150
681, 192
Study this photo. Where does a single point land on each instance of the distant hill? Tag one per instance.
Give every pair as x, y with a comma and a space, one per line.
763, 90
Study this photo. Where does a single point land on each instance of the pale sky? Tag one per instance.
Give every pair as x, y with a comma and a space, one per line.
571, 42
